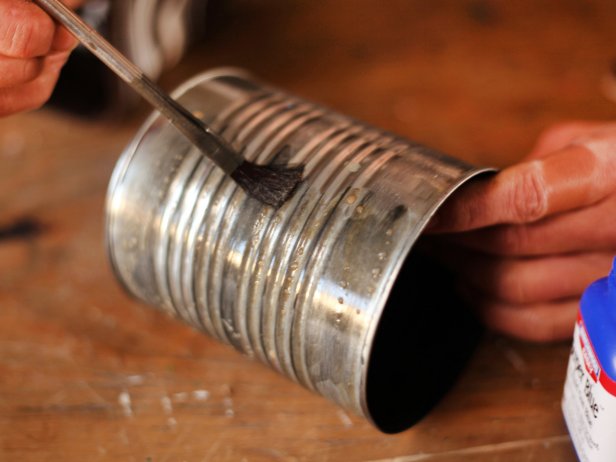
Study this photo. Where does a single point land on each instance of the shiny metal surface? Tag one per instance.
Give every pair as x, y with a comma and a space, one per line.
301, 288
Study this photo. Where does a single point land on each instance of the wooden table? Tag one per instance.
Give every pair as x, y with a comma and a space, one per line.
86, 373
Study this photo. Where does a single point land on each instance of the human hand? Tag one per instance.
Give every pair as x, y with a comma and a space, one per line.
531, 238
33, 49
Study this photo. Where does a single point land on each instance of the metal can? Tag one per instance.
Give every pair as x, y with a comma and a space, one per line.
323, 289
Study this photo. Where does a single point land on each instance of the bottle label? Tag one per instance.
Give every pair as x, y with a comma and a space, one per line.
589, 402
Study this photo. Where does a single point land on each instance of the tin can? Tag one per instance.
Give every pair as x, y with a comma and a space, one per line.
589, 400
325, 289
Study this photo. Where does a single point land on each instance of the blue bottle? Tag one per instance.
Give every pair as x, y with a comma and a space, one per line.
589, 400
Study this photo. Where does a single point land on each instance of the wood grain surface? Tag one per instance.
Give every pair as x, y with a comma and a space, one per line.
88, 374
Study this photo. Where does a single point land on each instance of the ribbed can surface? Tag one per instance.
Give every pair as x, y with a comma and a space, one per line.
301, 288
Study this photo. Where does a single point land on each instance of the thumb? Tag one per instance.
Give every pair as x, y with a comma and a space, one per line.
527, 192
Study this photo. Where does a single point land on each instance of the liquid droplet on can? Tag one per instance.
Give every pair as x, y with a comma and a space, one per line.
354, 167
351, 198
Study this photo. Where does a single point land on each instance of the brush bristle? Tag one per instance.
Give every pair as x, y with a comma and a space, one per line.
271, 184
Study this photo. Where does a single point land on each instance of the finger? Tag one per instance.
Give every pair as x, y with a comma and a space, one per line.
527, 192
586, 229
522, 280
535, 280
560, 135
63, 40
540, 322
546, 322
15, 71
33, 94
26, 31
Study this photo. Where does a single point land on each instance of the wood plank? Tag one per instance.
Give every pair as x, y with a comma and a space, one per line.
87, 373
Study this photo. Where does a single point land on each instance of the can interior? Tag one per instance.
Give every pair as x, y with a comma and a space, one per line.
424, 338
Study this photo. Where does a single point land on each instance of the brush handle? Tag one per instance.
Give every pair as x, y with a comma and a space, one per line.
212, 145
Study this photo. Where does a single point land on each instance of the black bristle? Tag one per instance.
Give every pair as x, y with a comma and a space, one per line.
271, 184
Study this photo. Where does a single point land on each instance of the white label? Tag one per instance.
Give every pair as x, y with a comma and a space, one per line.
589, 409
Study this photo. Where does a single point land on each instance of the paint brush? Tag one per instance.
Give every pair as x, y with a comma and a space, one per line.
270, 184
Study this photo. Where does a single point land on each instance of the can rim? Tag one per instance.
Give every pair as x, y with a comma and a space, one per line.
385, 293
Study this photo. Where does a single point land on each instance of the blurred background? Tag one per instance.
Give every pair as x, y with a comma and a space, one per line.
427, 70
86, 373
